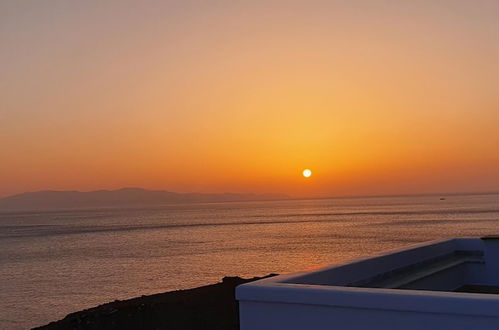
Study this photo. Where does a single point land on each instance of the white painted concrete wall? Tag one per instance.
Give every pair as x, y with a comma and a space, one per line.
276, 316
320, 299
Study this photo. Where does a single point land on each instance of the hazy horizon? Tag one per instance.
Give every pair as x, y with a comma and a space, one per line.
376, 98
437, 193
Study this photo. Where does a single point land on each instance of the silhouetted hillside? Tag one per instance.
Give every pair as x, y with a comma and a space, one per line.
43, 200
211, 307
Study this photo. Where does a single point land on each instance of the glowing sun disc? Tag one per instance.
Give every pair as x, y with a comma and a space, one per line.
307, 173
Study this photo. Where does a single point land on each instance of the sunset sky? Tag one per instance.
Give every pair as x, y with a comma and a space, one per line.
375, 97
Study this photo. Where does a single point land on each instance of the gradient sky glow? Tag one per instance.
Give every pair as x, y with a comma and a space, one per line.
375, 97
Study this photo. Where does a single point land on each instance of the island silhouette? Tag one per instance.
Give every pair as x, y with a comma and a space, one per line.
125, 197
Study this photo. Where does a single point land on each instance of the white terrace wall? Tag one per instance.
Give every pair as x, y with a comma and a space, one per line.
320, 299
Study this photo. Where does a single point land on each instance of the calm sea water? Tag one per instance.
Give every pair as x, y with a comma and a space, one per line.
54, 263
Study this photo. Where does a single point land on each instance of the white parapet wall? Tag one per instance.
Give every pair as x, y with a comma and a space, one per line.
406, 289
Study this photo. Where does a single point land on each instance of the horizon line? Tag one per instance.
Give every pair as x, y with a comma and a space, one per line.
289, 197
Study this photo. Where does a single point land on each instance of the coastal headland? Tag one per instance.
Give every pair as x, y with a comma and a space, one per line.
208, 307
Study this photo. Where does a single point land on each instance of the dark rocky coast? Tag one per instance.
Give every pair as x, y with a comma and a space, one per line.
212, 307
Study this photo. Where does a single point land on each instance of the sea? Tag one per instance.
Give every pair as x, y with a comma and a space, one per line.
56, 262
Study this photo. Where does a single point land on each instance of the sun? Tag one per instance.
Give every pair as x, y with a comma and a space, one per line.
307, 173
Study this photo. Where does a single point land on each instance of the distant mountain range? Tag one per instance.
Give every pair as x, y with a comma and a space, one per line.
126, 197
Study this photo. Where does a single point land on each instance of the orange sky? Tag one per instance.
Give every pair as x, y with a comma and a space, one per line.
376, 97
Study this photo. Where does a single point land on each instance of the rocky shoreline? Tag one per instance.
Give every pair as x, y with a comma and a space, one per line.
212, 307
